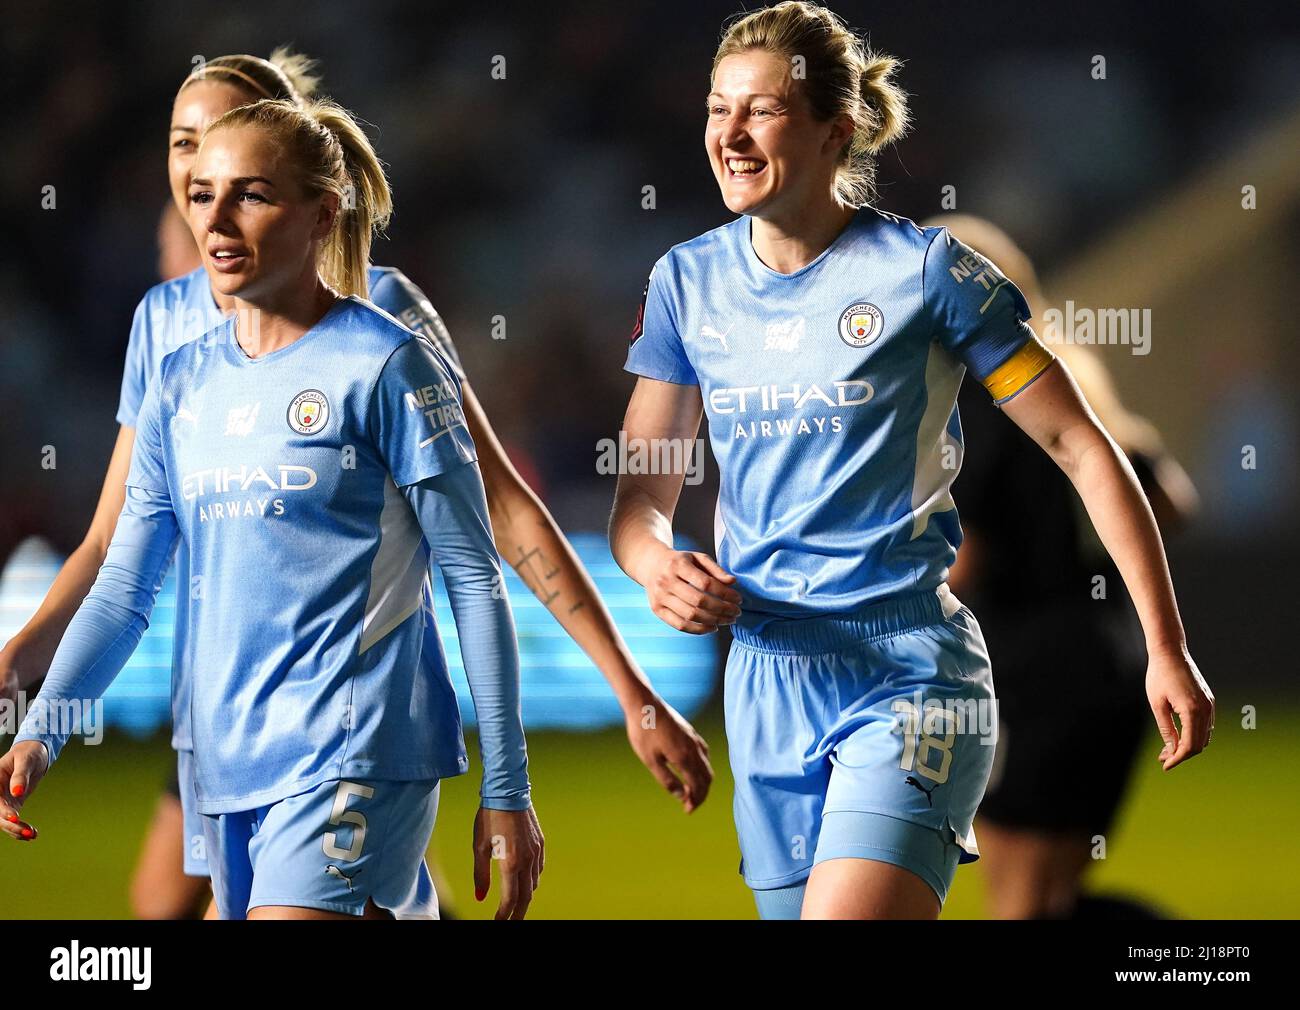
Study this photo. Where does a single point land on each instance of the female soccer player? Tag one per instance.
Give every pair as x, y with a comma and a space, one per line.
173, 313
311, 457
826, 342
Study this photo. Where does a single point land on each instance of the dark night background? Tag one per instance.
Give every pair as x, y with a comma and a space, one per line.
522, 197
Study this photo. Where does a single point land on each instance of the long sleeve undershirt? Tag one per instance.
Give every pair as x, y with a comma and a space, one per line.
452, 512
107, 626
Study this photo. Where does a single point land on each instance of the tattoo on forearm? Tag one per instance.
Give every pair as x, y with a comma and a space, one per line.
535, 571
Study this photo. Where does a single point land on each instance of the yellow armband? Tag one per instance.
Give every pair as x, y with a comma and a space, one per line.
1018, 371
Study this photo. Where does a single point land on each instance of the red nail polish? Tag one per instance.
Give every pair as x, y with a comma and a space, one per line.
12, 818
27, 832
17, 790
479, 894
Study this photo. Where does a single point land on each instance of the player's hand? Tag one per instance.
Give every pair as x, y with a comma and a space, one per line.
514, 839
20, 770
1175, 687
8, 679
691, 592
669, 746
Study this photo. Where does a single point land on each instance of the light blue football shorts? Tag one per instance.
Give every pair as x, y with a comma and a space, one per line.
332, 847
869, 735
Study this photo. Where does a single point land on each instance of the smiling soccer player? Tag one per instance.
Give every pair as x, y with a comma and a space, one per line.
858, 694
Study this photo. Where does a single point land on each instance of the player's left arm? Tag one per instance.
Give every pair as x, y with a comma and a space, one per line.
430, 457
1052, 411
452, 512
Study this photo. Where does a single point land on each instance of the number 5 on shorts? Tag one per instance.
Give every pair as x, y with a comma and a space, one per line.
341, 815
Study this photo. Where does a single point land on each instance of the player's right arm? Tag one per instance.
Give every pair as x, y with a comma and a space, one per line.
26, 657
688, 590
106, 627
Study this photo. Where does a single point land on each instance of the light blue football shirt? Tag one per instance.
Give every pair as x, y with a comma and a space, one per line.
305, 634
830, 395
173, 313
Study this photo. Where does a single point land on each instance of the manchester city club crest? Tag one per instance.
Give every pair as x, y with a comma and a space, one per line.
860, 324
308, 412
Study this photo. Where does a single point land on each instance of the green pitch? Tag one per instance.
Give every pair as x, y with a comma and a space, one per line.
1213, 839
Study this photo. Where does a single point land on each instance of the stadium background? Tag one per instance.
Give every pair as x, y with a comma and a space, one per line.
523, 198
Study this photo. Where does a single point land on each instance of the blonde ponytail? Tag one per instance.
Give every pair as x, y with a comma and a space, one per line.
885, 116
299, 70
366, 206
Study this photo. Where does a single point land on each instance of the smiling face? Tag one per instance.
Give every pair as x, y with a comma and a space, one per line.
259, 233
197, 106
769, 154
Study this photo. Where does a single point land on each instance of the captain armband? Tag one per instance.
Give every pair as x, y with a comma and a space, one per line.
1018, 371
